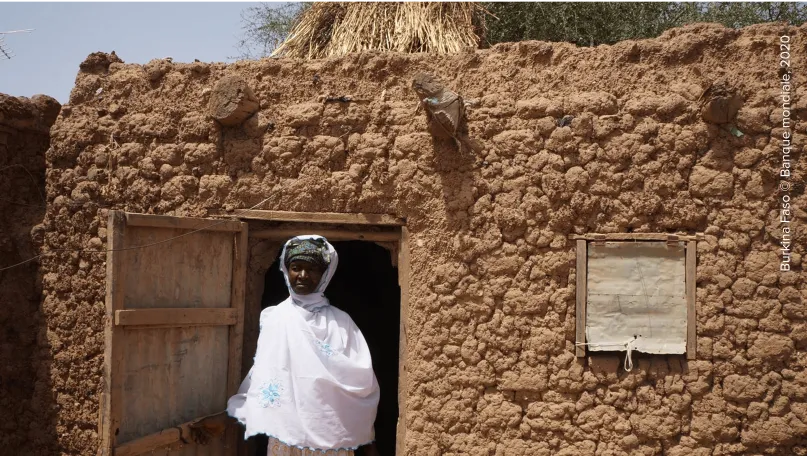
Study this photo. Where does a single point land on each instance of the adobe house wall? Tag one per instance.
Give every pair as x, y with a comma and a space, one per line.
24, 139
491, 365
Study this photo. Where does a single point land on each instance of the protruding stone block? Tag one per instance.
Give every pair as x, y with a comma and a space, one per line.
232, 101
721, 109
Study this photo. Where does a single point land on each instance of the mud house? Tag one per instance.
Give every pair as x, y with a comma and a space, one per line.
491, 270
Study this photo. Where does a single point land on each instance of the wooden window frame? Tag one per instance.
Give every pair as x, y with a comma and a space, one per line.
399, 237
690, 264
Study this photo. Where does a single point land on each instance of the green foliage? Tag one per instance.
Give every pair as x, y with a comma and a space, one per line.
590, 24
267, 25
741, 14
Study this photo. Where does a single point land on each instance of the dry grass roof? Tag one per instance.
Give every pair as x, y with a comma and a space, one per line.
336, 29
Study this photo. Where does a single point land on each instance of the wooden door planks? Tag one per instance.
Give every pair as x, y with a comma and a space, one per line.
240, 260
176, 312
113, 375
194, 270
167, 318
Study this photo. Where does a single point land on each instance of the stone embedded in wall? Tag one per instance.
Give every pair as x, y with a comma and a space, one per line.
721, 110
720, 104
232, 101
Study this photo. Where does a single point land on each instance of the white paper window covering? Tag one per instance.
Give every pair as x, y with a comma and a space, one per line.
636, 288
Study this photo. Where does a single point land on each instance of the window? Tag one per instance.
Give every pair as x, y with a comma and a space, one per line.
636, 292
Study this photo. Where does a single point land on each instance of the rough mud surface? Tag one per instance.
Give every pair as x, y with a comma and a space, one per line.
491, 369
24, 125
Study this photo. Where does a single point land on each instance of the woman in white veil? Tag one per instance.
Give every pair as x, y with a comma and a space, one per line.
312, 389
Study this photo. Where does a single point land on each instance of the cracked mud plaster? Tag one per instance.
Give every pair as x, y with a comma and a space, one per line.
490, 361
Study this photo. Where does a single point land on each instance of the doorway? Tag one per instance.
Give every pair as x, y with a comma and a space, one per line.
365, 286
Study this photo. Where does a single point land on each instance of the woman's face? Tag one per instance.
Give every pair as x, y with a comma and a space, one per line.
304, 277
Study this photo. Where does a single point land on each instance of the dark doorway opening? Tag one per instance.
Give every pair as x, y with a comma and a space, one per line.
365, 286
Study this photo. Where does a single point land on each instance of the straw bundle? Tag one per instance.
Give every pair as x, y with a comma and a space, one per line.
335, 29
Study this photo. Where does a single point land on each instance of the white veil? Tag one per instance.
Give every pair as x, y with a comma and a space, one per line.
312, 384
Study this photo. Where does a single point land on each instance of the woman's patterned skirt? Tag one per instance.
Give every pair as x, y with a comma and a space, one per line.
278, 448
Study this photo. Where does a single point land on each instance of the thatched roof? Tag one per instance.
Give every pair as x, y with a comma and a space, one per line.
335, 29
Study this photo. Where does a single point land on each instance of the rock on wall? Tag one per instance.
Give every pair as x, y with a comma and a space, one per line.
24, 139
491, 330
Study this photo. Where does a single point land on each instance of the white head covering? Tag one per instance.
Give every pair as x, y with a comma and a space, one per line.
316, 299
312, 385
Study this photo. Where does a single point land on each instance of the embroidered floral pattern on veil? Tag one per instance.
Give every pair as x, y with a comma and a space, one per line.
269, 394
325, 348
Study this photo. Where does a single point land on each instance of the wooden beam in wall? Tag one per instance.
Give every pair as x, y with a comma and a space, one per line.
321, 217
692, 337
581, 296
184, 223
404, 272
282, 234
635, 237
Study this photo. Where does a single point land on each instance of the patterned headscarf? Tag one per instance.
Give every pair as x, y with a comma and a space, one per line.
313, 250
316, 249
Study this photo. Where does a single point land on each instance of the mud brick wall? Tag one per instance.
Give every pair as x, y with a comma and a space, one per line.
24, 401
491, 322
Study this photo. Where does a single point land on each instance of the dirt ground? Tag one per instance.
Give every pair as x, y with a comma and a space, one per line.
490, 350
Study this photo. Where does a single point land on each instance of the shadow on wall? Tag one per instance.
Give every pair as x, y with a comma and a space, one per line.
27, 395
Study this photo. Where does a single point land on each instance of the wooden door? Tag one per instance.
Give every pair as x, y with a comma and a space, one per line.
174, 323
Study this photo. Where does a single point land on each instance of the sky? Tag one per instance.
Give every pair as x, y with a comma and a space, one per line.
47, 59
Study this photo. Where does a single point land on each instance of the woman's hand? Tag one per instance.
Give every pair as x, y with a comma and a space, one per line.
205, 428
